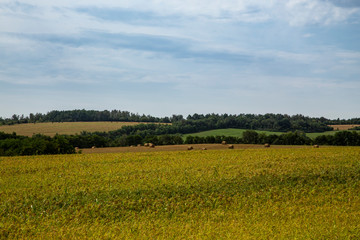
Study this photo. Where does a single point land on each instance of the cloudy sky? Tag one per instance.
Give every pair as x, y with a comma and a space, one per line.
164, 57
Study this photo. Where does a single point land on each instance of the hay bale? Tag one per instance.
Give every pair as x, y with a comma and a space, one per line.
231, 146
146, 144
76, 148
316, 146
139, 145
93, 147
204, 149
266, 145
190, 148
151, 145
223, 142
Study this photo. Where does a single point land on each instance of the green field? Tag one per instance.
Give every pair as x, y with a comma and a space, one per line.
233, 132
294, 193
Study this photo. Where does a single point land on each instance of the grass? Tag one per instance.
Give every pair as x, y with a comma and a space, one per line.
50, 129
219, 194
233, 132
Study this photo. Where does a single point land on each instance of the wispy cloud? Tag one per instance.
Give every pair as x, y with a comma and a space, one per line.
240, 50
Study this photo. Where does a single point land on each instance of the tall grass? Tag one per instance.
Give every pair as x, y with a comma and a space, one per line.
225, 194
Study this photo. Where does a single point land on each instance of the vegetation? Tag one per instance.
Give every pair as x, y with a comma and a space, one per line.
229, 132
258, 129
13, 145
229, 194
68, 128
193, 123
232, 132
81, 116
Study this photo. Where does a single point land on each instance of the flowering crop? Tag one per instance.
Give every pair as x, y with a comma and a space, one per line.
301, 193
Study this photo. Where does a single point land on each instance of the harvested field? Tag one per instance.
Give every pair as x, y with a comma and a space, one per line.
181, 148
50, 129
344, 127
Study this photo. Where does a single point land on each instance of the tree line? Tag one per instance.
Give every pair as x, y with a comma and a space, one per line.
81, 116
13, 145
192, 123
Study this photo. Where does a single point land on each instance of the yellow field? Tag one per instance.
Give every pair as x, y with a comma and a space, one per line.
289, 193
50, 129
344, 127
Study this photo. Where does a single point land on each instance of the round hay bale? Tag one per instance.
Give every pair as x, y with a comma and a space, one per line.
146, 144
132, 146
266, 145
76, 148
204, 149
139, 145
151, 145
316, 146
231, 146
190, 148
223, 142
93, 147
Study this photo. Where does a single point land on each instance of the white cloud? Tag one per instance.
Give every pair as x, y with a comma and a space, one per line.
294, 12
234, 48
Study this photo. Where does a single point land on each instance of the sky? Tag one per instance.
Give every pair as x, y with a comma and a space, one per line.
164, 57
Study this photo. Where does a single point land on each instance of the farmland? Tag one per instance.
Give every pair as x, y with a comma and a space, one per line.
50, 129
344, 126
288, 193
239, 132
232, 132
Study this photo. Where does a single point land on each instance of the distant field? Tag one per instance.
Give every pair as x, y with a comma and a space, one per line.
233, 132
50, 129
267, 193
183, 147
344, 127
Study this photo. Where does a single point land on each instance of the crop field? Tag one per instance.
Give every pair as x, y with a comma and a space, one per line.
344, 127
50, 129
284, 193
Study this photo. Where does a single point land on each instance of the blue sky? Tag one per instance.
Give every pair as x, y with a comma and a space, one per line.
164, 57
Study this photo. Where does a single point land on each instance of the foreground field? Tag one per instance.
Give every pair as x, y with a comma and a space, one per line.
50, 129
294, 193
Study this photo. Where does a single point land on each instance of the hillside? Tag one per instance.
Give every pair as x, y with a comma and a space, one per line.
232, 132
50, 129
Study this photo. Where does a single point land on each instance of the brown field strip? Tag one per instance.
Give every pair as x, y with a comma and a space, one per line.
196, 147
344, 127
50, 129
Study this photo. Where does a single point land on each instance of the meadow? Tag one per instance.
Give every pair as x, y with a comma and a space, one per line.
233, 132
50, 129
289, 193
